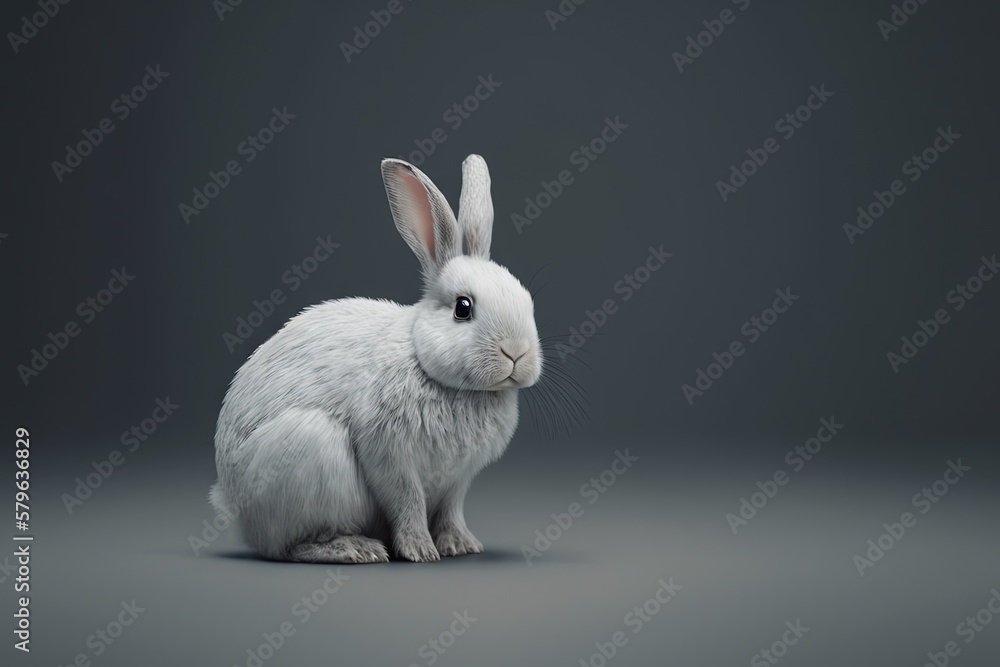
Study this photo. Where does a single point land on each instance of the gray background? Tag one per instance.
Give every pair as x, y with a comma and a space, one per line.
655, 185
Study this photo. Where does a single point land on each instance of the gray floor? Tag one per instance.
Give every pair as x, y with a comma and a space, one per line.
659, 521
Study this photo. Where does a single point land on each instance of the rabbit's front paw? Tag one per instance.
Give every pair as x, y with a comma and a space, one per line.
454, 541
416, 547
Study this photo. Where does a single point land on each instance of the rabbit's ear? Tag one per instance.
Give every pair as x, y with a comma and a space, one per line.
422, 214
475, 207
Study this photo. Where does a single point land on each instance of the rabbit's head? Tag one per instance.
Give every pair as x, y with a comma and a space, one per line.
475, 325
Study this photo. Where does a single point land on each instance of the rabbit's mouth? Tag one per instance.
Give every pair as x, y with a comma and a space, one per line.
507, 383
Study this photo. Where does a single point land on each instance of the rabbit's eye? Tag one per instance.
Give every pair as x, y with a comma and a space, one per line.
463, 308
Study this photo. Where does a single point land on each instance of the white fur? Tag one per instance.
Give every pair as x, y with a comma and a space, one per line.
364, 418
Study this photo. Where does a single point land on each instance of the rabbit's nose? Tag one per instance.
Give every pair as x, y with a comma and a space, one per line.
514, 349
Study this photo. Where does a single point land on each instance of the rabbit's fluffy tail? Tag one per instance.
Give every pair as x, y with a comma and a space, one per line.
217, 497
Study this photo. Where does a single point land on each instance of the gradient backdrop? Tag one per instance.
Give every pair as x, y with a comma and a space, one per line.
687, 112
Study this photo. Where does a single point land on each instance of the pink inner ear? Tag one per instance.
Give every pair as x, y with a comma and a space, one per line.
421, 210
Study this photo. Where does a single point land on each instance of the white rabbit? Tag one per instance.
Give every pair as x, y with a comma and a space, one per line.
364, 420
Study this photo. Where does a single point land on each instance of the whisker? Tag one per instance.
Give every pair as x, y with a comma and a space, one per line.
573, 358
535, 294
559, 401
572, 386
534, 275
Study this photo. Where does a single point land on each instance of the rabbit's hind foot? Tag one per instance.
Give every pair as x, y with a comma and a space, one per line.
343, 549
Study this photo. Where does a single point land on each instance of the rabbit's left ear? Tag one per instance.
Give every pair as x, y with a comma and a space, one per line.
475, 207
422, 215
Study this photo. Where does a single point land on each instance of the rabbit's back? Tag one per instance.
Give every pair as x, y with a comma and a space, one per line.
322, 358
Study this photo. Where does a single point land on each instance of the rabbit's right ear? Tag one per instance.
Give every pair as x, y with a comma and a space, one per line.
422, 215
475, 207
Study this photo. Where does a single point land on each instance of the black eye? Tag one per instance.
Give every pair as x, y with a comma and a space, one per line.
463, 308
